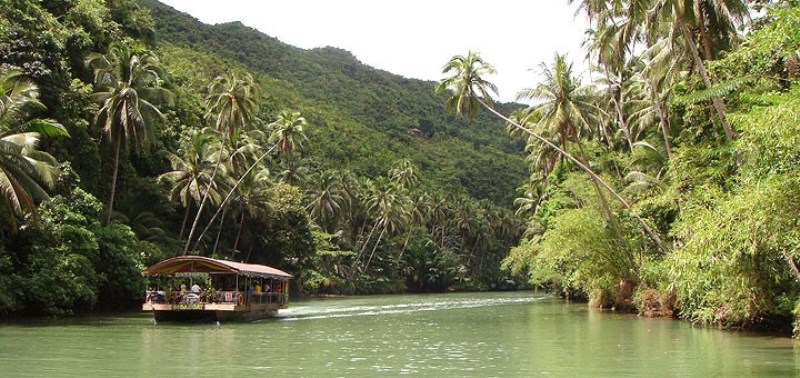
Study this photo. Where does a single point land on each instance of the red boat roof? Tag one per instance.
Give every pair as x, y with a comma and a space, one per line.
207, 264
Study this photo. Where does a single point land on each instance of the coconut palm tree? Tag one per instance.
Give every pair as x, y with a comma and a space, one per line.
126, 83
288, 131
404, 174
463, 82
192, 172
713, 19
326, 199
25, 172
231, 104
466, 78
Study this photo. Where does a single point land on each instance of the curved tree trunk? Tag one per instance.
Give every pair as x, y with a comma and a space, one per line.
205, 198
647, 229
117, 147
230, 193
662, 117
239, 234
219, 232
719, 106
378, 242
183, 224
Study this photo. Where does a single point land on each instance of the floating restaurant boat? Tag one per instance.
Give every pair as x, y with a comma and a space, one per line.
202, 288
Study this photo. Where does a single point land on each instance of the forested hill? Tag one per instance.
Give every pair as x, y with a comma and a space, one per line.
362, 119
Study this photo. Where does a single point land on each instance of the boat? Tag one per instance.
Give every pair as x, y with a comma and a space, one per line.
197, 288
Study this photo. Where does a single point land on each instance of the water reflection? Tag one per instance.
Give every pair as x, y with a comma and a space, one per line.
486, 334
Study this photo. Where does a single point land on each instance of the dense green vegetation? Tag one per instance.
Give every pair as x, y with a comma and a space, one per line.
669, 184
132, 133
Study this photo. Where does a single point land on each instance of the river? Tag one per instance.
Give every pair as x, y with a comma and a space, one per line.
518, 334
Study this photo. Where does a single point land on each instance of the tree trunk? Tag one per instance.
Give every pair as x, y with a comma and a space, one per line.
588, 171
378, 242
704, 39
719, 106
205, 198
662, 117
219, 232
605, 209
239, 234
183, 224
230, 193
364, 246
403, 250
117, 147
792, 265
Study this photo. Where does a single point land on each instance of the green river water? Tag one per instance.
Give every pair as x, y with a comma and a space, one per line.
519, 334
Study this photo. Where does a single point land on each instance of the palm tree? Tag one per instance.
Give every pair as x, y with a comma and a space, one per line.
681, 16
125, 84
404, 174
326, 199
288, 131
463, 82
25, 172
192, 172
231, 104
294, 170
254, 200
466, 78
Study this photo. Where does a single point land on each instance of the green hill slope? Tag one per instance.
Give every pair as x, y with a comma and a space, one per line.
363, 119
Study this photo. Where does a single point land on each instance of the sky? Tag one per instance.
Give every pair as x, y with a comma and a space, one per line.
415, 38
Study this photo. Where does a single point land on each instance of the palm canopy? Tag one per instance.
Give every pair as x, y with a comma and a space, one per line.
231, 103
288, 131
563, 105
25, 172
467, 84
126, 84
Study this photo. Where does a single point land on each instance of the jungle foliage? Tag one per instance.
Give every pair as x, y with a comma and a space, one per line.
130, 132
693, 124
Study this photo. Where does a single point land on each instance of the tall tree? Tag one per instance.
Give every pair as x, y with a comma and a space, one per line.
231, 104
126, 83
288, 131
464, 82
25, 172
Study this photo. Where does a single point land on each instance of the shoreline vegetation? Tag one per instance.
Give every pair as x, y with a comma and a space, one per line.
669, 185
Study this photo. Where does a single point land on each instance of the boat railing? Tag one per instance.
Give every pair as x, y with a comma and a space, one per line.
235, 297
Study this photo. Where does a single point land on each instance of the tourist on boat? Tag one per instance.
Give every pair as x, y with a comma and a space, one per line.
196, 288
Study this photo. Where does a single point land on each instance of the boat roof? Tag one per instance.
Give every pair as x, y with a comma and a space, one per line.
207, 264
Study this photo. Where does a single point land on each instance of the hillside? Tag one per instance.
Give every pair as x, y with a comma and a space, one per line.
363, 119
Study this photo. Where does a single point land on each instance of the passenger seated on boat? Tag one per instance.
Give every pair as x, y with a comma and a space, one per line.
191, 298
160, 296
196, 289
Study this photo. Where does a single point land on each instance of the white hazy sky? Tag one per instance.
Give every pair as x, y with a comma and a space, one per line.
415, 38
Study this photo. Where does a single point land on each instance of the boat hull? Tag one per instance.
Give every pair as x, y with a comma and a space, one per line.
211, 313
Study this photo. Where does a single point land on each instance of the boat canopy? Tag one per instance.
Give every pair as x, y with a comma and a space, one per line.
205, 264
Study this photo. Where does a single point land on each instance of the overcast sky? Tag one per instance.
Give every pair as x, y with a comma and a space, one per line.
415, 38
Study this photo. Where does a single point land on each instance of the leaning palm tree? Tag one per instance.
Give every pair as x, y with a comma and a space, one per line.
282, 136
466, 77
191, 174
463, 82
125, 83
712, 18
231, 104
25, 172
